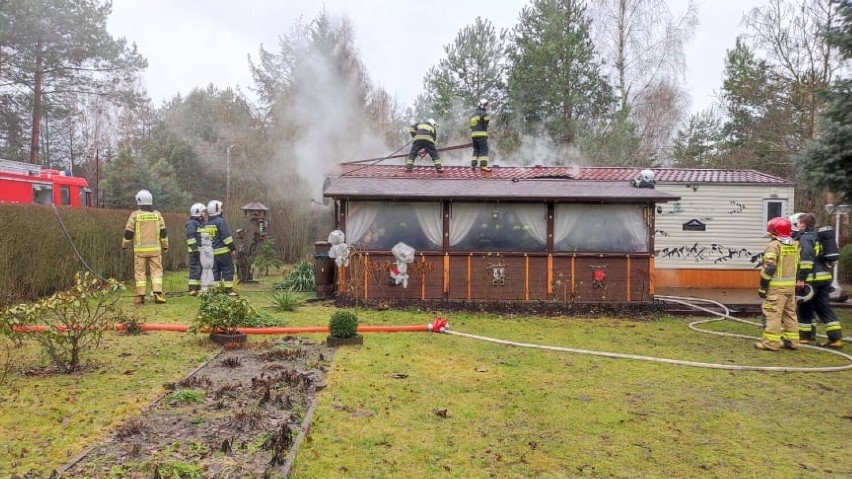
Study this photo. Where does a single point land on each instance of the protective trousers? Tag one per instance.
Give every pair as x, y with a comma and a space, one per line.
424, 145
480, 151
194, 271
140, 265
819, 305
223, 270
779, 307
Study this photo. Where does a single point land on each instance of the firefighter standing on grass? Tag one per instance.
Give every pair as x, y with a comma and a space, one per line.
479, 136
424, 135
223, 247
194, 228
778, 288
814, 272
146, 230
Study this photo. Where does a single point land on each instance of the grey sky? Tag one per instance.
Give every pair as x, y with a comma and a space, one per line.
191, 43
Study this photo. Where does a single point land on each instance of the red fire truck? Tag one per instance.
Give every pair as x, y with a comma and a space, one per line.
27, 183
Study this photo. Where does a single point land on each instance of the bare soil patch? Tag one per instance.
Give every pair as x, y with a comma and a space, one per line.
235, 417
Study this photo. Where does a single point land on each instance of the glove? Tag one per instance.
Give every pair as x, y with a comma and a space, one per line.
761, 293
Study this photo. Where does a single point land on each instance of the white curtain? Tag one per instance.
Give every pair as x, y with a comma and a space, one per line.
565, 219
462, 218
533, 216
431, 221
359, 216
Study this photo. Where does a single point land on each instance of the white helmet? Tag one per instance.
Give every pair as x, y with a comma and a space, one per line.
197, 209
214, 208
144, 198
647, 175
483, 103
432, 122
794, 220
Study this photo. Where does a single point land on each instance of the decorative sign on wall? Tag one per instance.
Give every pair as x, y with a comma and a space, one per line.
694, 225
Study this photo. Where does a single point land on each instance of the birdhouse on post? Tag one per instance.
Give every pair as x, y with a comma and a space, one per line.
249, 239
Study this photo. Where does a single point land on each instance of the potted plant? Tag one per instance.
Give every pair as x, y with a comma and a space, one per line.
222, 315
343, 329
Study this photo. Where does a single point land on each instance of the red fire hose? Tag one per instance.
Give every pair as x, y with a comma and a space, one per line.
439, 325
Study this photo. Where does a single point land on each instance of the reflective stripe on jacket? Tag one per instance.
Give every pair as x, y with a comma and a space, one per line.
147, 228
811, 268
784, 255
423, 132
479, 123
217, 229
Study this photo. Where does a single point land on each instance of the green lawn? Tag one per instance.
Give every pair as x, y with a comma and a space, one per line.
417, 405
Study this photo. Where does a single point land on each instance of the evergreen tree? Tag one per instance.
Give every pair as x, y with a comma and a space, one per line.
60, 49
827, 162
555, 81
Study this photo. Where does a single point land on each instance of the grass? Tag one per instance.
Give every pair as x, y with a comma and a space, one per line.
427, 405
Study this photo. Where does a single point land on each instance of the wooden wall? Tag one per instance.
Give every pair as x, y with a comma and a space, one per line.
501, 277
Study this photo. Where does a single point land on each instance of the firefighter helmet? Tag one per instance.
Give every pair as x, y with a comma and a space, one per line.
144, 198
804, 293
483, 103
214, 208
779, 227
432, 122
647, 175
794, 221
197, 209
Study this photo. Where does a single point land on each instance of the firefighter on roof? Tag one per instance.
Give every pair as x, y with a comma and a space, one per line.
424, 135
479, 136
194, 228
778, 288
146, 230
223, 246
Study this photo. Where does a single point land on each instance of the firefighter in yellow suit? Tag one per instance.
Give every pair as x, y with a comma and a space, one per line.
778, 288
146, 230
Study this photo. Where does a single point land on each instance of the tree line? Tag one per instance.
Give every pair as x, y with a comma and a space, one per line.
596, 83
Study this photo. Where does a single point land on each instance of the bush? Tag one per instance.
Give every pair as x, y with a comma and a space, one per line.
220, 313
300, 279
74, 320
343, 324
284, 301
265, 257
844, 264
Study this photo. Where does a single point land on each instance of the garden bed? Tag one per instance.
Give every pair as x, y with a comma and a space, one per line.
239, 415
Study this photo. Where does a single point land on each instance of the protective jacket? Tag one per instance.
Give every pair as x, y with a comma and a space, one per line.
423, 132
217, 228
194, 228
147, 231
812, 269
479, 123
780, 263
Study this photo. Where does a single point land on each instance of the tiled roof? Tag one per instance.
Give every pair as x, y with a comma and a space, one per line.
460, 183
661, 175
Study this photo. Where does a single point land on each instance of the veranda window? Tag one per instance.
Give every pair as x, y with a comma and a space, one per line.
498, 226
599, 228
374, 225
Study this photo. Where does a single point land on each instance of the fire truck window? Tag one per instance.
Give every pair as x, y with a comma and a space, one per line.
65, 192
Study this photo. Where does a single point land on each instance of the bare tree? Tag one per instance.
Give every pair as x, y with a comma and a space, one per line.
791, 35
643, 43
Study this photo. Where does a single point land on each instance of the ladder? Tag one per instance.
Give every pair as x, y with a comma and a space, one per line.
20, 168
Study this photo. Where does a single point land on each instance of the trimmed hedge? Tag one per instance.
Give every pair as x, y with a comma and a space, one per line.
37, 259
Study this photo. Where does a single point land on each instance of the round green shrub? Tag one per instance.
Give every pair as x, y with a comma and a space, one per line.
343, 324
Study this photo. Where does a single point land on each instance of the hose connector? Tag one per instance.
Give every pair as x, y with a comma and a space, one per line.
439, 325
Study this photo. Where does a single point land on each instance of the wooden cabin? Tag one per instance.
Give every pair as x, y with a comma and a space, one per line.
559, 234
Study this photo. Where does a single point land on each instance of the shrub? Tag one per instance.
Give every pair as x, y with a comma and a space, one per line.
300, 279
343, 324
844, 264
284, 301
265, 257
220, 313
74, 319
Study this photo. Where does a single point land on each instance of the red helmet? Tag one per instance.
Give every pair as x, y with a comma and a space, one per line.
779, 227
